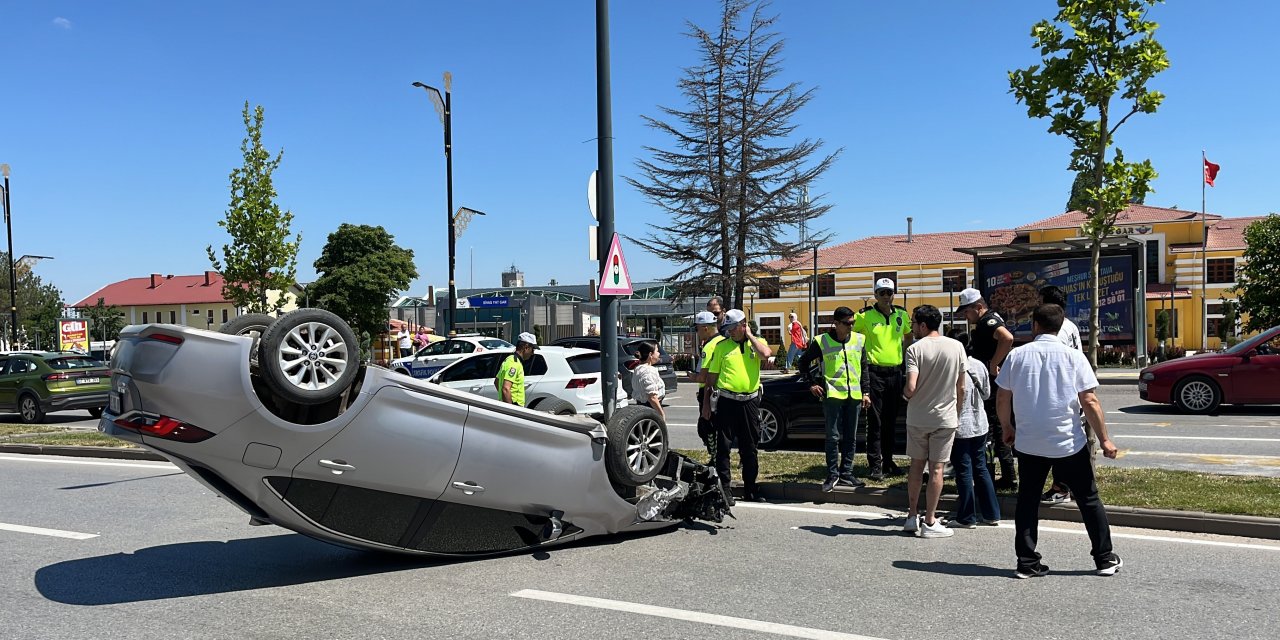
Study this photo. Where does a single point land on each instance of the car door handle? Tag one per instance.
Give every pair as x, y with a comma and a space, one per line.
468, 488
338, 466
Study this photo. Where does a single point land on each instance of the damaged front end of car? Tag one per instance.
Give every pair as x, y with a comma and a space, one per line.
684, 490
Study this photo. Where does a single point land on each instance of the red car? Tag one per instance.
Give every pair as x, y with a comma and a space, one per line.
1248, 373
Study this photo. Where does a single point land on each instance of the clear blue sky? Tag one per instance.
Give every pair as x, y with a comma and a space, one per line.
121, 121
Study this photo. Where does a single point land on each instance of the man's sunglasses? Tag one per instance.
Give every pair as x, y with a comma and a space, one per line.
883, 292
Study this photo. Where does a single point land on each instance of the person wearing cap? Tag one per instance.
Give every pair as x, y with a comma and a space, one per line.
708, 336
734, 375
886, 327
842, 387
510, 379
990, 342
795, 331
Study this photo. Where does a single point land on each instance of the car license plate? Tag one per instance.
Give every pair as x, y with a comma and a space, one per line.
88, 380
661, 367
113, 404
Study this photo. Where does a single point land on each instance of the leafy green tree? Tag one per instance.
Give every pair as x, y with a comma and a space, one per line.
39, 303
1259, 279
1227, 325
360, 270
1098, 55
260, 256
105, 321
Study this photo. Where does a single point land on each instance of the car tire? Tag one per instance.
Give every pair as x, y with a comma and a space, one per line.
1197, 394
773, 426
252, 325
557, 406
309, 356
96, 412
637, 446
29, 409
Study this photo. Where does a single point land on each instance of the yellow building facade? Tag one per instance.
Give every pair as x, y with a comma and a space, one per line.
186, 300
927, 269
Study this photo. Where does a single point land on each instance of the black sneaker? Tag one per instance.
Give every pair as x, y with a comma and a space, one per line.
1110, 567
896, 471
849, 481
1034, 571
829, 484
876, 475
728, 494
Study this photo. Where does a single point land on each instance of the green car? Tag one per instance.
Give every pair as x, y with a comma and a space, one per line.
34, 383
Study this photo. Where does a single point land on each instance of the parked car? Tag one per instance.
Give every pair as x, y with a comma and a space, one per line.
314, 441
437, 355
34, 383
627, 359
559, 380
789, 410
1248, 373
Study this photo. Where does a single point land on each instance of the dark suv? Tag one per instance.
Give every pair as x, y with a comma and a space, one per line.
34, 383
627, 359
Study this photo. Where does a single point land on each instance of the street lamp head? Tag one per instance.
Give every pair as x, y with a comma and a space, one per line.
4, 169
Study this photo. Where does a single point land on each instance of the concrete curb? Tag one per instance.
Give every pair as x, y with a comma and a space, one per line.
1109, 380
1185, 521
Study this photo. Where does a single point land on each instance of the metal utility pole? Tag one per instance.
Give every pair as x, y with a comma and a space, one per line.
13, 280
604, 189
444, 108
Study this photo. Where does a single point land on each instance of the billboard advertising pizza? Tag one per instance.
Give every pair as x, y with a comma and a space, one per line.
73, 335
1012, 288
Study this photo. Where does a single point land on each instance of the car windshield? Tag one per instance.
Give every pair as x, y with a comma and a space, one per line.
496, 344
586, 363
77, 362
1251, 343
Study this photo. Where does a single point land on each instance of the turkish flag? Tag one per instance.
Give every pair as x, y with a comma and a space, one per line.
1210, 172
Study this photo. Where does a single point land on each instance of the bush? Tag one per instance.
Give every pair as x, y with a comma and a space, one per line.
682, 362
1156, 355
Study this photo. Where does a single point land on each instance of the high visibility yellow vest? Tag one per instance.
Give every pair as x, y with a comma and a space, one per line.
512, 369
707, 351
884, 335
842, 365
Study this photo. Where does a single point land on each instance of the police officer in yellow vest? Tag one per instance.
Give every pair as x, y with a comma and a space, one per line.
841, 384
708, 336
885, 326
510, 378
734, 375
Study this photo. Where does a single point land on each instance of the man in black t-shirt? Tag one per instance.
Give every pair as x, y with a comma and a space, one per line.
990, 342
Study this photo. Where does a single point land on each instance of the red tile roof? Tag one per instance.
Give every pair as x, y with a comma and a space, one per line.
159, 290
924, 248
1158, 291
1134, 214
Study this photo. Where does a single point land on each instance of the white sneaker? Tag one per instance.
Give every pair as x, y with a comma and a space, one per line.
935, 530
912, 525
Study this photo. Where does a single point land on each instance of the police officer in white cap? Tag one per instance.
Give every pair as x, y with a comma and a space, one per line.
886, 327
734, 374
990, 341
707, 326
510, 378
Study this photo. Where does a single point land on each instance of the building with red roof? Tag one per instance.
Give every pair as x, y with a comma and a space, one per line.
194, 301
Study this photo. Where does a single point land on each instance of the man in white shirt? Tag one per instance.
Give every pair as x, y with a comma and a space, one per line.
1069, 334
1045, 384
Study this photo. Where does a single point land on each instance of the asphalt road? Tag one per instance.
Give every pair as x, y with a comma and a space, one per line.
160, 557
1237, 440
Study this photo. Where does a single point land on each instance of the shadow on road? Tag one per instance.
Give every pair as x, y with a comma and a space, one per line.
1268, 411
972, 570
841, 530
104, 484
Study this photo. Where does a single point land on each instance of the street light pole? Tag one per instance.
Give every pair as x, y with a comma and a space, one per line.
13, 280
444, 108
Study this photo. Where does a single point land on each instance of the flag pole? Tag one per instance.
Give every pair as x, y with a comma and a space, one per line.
1204, 256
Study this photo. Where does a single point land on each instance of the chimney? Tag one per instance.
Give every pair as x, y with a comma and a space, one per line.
208, 277
431, 293
591, 295
908, 228
155, 280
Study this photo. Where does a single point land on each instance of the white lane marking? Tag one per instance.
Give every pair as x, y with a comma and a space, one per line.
1125, 435
1111, 423
684, 406
1179, 454
1006, 525
689, 616
135, 465
783, 507
681, 424
56, 533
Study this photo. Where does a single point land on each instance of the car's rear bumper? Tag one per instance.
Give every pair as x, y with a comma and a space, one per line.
70, 401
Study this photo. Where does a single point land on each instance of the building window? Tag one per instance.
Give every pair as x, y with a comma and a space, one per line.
144, 317
827, 285
954, 279
173, 317
769, 288
1153, 261
771, 321
1213, 326
224, 316
209, 320
771, 336
1222, 270
892, 275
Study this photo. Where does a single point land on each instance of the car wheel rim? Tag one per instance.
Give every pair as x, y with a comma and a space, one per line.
313, 356
1197, 396
644, 446
28, 409
768, 426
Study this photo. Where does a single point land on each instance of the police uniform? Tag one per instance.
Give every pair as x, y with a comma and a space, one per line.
843, 377
885, 380
706, 430
984, 343
512, 369
737, 409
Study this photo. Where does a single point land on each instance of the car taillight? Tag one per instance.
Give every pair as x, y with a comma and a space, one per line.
165, 337
54, 377
580, 383
164, 427
631, 365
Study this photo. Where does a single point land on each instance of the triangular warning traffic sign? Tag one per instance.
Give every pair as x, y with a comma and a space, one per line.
616, 279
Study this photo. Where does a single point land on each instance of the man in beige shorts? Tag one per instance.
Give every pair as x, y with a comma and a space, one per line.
935, 382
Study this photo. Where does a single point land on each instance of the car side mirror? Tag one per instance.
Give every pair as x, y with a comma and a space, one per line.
1252, 353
